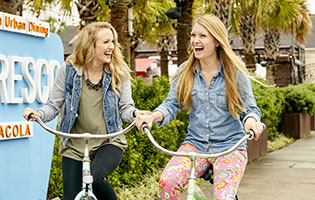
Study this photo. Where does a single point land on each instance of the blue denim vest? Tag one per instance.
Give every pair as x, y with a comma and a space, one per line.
73, 85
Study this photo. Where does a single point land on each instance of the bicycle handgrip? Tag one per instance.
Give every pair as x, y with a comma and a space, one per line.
144, 126
252, 134
30, 116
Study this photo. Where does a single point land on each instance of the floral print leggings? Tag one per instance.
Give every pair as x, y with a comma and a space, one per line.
228, 172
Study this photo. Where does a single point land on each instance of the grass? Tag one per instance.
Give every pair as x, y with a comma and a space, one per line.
145, 190
280, 141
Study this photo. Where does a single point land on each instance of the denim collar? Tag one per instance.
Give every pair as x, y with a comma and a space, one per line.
220, 70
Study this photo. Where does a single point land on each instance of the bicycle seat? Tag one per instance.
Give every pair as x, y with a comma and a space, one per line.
208, 175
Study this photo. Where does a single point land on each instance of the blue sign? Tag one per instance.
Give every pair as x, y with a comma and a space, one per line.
28, 65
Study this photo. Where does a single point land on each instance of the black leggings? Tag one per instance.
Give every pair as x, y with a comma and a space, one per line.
103, 163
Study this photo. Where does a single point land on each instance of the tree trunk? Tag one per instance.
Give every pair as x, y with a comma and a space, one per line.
270, 75
183, 30
14, 7
249, 59
164, 62
248, 36
119, 19
271, 43
163, 47
223, 12
132, 65
88, 11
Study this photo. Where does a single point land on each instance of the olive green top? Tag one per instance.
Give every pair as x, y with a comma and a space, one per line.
90, 120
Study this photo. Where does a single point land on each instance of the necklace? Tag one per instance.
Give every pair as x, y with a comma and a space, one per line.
92, 85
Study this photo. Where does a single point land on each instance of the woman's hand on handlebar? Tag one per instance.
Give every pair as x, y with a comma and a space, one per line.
142, 112
257, 127
144, 119
28, 111
156, 116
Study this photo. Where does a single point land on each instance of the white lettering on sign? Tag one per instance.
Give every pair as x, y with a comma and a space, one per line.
14, 130
35, 89
23, 25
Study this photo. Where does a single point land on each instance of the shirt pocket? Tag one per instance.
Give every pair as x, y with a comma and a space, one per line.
221, 100
194, 97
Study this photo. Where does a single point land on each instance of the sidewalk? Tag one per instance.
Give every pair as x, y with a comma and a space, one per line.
285, 174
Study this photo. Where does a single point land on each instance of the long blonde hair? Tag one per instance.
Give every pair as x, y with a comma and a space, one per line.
231, 65
84, 53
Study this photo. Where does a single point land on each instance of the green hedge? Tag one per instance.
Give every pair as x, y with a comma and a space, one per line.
271, 101
142, 158
300, 98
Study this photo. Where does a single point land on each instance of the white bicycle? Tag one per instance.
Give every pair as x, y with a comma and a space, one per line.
87, 179
194, 192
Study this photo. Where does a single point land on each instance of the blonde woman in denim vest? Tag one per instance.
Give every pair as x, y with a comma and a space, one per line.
94, 87
214, 86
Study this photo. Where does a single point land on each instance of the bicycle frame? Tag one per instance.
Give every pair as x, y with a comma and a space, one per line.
87, 178
194, 192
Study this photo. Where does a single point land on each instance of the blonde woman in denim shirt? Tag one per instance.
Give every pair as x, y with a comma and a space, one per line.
214, 86
94, 87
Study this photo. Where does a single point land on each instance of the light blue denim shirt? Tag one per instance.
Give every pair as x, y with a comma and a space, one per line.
211, 126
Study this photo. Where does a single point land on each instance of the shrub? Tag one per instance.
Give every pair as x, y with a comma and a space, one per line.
270, 100
300, 98
55, 188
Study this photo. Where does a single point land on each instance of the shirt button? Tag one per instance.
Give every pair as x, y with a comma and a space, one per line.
207, 107
207, 121
207, 93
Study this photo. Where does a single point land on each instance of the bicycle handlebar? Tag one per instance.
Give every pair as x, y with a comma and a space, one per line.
248, 136
80, 135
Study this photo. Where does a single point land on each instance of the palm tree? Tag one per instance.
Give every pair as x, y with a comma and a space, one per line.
89, 10
154, 28
302, 24
276, 19
284, 16
55, 26
14, 7
248, 12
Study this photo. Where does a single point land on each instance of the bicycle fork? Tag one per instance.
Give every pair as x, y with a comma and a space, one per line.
86, 192
194, 192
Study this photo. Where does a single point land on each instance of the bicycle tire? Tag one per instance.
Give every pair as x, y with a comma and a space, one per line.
88, 198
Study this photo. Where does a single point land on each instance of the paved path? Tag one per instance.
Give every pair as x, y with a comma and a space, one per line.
285, 174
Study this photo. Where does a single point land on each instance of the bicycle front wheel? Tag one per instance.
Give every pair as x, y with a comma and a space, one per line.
82, 196
87, 198
198, 194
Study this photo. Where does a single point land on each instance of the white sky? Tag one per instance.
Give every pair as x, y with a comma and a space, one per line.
311, 6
